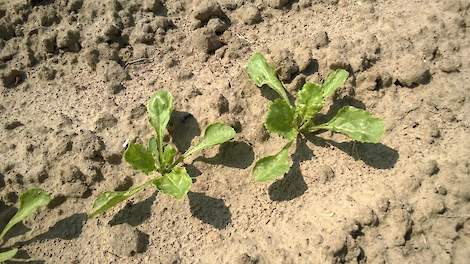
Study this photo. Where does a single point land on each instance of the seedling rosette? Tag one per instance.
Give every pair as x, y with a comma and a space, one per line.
289, 121
159, 159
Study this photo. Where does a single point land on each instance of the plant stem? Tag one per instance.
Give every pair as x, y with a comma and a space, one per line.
160, 150
142, 186
281, 91
304, 125
177, 161
145, 184
316, 128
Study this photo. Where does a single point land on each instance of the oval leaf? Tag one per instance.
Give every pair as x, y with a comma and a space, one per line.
30, 201
4, 256
334, 80
175, 183
273, 167
159, 110
309, 101
139, 158
280, 119
262, 73
357, 124
215, 134
107, 200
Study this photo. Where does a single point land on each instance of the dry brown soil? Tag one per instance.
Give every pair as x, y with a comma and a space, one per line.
76, 75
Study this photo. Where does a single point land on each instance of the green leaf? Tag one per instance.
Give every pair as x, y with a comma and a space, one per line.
357, 124
4, 256
262, 73
107, 200
215, 134
30, 201
159, 110
153, 148
273, 167
139, 158
175, 183
169, 154
334, 80
280, 119
309, 101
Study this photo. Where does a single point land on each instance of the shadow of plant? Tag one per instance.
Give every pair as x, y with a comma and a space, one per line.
135, 214
193, 172
23, 257
6, 213
41, 2
209, 210
68, 228
293, 184
378, 156
235, 154
2, 180
183, 128
268, 93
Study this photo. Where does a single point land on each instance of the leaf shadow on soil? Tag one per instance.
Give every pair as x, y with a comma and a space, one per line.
2, 180
378, 156
193, 171
293, 184
41, 2
68, 228
234, 154
209, 210
6, 213
23, 257
183, 128
268, 93
134, 214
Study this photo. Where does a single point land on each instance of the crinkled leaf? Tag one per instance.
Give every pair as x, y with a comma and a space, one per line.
280, 119
159, 110
4, 256
334, 80
357, 124
169, 153
273, 167
262, 73
139, 158
309, 101
107, 200
175, 183
30, 201
215, 134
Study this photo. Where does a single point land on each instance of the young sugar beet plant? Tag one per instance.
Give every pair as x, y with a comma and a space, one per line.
160, 160
289, 121
30, 201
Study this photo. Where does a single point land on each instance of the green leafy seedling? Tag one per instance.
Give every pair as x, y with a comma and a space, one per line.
289, 121
30, 201
160, 160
